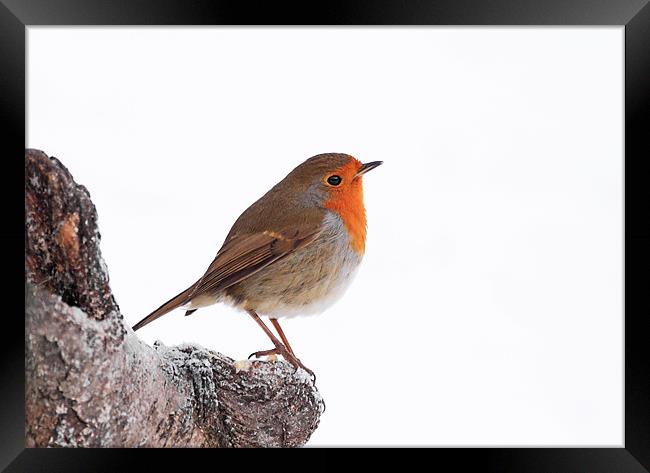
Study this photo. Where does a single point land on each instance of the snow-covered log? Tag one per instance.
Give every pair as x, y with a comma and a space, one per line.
91, 382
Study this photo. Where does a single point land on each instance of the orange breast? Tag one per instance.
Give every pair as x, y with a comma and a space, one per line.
347, 202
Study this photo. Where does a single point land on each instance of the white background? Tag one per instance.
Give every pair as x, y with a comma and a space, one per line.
488, 308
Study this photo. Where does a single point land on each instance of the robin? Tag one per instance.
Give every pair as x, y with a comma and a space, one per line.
294, 251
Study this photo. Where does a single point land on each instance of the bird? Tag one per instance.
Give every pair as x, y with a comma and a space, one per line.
292, 252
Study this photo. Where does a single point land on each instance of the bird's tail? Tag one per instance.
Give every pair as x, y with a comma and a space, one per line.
168, 306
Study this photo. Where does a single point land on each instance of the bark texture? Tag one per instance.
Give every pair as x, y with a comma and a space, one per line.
91, 382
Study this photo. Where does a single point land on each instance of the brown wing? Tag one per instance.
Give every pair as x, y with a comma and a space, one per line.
239, 257
244, 255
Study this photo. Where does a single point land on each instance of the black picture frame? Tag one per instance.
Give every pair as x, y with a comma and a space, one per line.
16, 15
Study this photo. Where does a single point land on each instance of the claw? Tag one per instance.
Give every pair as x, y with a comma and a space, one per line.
259, 354
298, 364
287, 356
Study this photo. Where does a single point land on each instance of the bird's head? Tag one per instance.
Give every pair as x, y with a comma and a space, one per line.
334, 181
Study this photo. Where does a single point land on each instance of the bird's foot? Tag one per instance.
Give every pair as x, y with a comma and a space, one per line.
259, 354
281, 350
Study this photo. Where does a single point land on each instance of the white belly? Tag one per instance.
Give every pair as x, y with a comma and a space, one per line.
321, 300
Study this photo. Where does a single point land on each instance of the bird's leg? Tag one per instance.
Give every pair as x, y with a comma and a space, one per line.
276, 324
279, 349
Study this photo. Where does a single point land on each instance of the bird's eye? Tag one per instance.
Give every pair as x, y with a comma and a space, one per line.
334, 180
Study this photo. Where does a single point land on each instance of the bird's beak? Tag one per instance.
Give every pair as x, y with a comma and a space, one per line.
367, 167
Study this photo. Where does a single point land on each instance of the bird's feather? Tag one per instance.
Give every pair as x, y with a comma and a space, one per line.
241, 256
